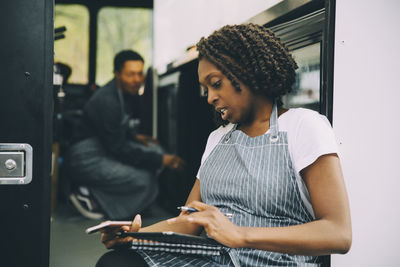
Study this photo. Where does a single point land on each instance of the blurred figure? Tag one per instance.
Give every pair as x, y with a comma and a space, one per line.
117, 166
64, 70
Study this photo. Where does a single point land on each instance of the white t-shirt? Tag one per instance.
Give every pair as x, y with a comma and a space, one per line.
309, 134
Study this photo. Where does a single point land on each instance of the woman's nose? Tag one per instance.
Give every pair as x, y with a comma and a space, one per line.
212, 97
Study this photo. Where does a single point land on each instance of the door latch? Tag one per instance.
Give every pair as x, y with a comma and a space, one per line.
15, 164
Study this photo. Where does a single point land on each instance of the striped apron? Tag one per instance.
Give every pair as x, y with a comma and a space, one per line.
255, 180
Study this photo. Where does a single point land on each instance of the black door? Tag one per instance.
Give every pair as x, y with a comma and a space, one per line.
26, 78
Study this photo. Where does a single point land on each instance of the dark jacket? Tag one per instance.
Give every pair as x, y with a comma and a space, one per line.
104, 117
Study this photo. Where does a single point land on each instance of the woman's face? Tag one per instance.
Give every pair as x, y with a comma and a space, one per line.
234, 106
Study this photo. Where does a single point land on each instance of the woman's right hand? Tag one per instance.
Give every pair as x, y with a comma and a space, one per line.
110, 238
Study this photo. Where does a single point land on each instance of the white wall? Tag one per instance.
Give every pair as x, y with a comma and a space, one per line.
366, 121
179, 24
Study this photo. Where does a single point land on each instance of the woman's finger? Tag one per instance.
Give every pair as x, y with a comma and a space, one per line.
136, 224
110, 230
194, 218
200, 206
126, 228
105, 237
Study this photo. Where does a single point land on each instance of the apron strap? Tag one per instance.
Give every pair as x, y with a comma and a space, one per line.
273, 123
228, 135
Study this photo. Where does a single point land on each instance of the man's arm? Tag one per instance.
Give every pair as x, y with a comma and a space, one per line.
106, 113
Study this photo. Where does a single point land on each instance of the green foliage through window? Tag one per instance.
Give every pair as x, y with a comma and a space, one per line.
73, 50
120, 29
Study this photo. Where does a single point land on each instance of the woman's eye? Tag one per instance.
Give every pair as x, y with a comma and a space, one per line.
204, 91
217, 84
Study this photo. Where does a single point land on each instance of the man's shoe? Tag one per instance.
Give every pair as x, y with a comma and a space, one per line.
85, 206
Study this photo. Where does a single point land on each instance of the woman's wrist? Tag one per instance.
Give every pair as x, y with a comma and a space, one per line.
241, 239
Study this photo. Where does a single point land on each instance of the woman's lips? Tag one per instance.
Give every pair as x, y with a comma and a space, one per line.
224, 113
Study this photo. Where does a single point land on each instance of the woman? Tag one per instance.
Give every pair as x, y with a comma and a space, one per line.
276, 170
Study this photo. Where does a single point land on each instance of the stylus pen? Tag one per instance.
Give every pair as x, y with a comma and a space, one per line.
190, 209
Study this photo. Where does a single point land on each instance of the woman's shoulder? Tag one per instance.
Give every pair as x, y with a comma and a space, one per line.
296, 117
297, 113
309, 134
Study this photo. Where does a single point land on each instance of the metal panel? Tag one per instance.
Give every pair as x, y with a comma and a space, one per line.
277, 11
327, 60
26, 76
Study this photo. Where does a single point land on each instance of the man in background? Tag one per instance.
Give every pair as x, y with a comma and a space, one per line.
116, 166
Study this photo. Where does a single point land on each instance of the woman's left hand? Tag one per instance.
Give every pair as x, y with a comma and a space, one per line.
216, 224
110, 238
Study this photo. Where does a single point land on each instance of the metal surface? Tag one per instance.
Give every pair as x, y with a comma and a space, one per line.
15, 164
26, 112
327, 60
277, 11
11, 164
302, 31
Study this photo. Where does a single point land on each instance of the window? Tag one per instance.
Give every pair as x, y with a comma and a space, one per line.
303, 37
120, 29
73, 50
306, 89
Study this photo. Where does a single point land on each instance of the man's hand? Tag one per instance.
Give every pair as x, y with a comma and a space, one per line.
173, 162
145, 139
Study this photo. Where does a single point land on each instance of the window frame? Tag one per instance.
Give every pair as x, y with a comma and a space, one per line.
94, 7
327, 36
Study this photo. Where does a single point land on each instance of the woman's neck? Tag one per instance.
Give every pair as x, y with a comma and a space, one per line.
260, 119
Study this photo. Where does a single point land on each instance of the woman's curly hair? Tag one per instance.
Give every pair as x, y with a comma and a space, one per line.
251, 54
